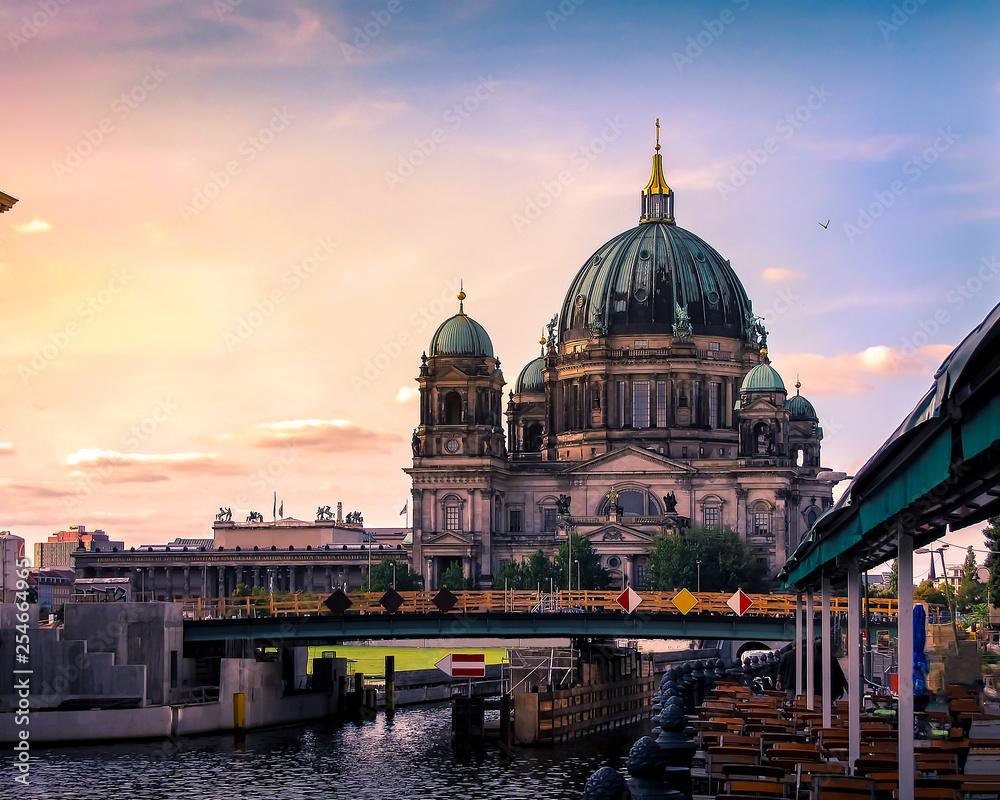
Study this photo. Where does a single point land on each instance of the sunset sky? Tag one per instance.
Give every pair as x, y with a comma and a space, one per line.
239, 223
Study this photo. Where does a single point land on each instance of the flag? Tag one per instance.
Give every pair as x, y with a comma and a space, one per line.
281, 510
405, 507
274, 513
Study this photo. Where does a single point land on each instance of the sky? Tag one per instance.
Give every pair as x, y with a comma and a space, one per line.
240, 223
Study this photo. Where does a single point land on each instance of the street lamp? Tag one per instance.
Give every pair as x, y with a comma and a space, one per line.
579, 585
698, 562
948, 593
394, 574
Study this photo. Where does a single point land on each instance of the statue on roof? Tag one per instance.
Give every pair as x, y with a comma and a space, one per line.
324, 514
682, 323
562, 504
670, 503
255, 516
551, 340
224, 515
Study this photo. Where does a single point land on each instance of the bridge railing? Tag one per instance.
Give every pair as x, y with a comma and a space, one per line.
500, 601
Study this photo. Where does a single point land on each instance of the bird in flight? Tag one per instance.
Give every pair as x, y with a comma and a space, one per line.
824, 227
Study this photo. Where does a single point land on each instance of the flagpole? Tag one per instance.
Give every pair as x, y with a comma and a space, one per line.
274, 510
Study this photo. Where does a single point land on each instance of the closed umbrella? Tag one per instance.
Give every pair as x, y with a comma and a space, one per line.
921, 667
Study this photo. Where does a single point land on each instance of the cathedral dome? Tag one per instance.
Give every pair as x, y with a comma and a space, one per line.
799, 407
532, 378
461, 336
763, 378
634, 282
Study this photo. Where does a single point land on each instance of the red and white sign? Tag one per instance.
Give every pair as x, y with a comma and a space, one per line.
740, 602
463, 665
628, 600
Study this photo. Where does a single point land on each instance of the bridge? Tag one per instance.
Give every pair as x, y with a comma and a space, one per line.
578, 614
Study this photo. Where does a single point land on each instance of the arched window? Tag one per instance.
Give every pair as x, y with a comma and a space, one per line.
630, 501
762, 438
711, 513
452, 408
760, 519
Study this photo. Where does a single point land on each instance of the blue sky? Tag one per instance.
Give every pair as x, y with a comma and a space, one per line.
241, 140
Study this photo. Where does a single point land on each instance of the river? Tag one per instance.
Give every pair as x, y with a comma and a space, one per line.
409, 756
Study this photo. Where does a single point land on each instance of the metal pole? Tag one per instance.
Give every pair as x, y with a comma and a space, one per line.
799, 656
393, 575
904, 619
810, 651
698, 562
828, 652
854, 684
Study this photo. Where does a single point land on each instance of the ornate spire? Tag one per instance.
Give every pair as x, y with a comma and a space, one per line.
461, 297
657, 197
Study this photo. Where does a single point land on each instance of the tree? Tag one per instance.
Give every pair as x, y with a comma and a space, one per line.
992, 535
591, 574
538, 572
927, 592
970, 591
894, 579
406, 579
454, 579
727, 562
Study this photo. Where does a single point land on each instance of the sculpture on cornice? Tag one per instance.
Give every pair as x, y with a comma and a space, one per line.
682, 323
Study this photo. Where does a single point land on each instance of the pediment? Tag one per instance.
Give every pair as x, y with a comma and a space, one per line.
450, 373
617, 534
447, 538
760, 405
630, 460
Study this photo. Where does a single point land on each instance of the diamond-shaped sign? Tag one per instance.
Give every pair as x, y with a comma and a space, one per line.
338, 602
628, 600
684, 601
444, 600
740, 602
391, 600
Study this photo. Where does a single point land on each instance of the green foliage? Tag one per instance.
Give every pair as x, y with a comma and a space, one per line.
894, 579
241, 590
406, 579
727, 563
927, 592
537, 572
453, 579
590, 573
992, 535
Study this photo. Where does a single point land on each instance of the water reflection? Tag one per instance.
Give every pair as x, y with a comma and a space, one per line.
407, 756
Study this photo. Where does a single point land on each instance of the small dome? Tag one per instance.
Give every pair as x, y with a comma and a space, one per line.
461, 336
531, 379
800, 408
762, 378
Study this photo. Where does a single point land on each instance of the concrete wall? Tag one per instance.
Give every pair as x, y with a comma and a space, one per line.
97, 724
136, 633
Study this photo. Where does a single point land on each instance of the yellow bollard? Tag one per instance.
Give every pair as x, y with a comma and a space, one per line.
239, 716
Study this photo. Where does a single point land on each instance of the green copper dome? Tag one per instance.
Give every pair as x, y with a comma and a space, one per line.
461, 336
762, 378
800, 408
634, 284
531, 378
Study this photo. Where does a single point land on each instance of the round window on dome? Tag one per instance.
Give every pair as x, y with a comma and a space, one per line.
580, 300
644, 254
713, 298
597, 259
699, 255
641, 295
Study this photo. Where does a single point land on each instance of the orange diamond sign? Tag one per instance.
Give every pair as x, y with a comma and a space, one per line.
684, 601
740, 602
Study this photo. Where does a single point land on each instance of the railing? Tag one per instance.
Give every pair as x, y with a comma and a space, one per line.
510, 601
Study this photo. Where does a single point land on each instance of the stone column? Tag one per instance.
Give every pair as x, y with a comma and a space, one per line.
204, 582
741, 512
187, 583
328, 574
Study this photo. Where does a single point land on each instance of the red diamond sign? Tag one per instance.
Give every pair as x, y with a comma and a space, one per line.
628, 600
740, 602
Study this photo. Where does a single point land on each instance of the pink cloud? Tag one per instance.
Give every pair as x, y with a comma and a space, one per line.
333, 435
113, 467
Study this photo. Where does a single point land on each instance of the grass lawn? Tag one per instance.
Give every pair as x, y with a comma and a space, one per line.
371, 660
